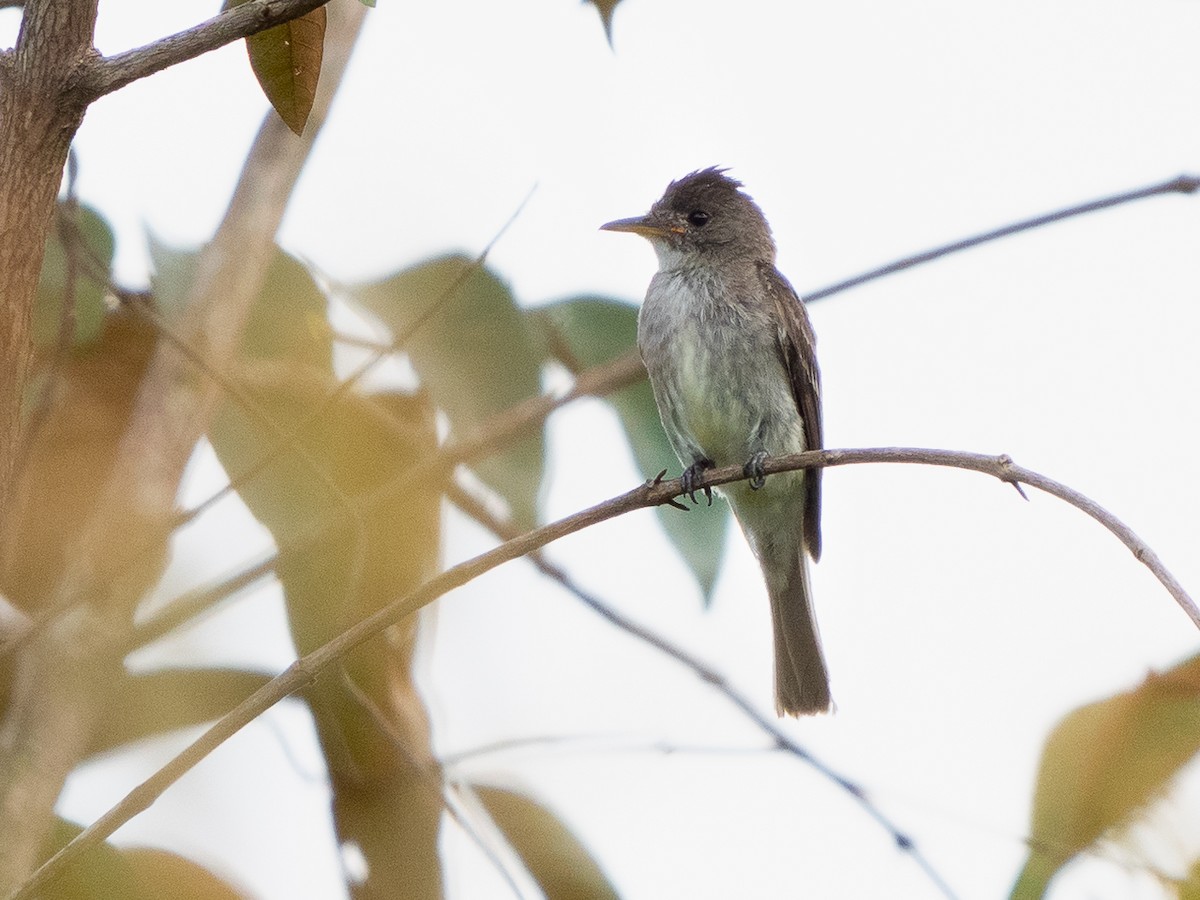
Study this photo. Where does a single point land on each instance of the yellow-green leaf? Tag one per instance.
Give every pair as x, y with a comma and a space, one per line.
556, 859
1103, 764
153, 703
159, 873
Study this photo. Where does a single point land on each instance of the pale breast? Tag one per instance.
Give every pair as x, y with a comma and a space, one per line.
716, 372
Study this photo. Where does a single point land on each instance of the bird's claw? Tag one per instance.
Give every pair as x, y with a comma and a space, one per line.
688, 480
753, 470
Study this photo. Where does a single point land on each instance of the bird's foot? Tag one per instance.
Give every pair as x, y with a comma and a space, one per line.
754, 470
691, 473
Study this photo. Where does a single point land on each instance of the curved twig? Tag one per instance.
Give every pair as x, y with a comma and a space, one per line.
653, 493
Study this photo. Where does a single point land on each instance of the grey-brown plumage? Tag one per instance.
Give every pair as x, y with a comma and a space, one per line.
732, 361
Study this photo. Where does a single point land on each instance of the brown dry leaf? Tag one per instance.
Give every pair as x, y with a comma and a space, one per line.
286, 61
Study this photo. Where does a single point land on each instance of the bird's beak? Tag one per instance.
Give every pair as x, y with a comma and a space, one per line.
638, 225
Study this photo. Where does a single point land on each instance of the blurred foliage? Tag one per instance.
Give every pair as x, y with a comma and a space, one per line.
286, 61
80, 415
1104, 763
320, 460
1189, 888
588, 331
103, 871
558, 862
473, 350
289, 320
133, 873
74, 270
151, 703
159, 874
370, 719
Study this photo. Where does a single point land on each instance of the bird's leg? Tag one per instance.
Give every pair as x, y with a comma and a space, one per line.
754, 470
691, 473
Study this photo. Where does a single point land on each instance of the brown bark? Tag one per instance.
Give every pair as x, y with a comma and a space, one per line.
39, 114
40, 111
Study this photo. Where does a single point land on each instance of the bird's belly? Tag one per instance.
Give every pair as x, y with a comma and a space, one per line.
734, 401
712, 410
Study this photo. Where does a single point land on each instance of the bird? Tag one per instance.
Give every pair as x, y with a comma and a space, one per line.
731, 356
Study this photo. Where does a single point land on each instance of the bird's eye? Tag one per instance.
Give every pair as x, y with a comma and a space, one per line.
698, 217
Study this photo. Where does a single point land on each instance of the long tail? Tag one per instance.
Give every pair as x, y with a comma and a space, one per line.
801, 678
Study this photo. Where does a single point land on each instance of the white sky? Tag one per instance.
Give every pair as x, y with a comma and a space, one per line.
960, 622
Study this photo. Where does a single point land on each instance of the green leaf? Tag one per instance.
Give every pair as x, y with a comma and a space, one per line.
290, 318
288, 321
556, 859
153, 703
1104, 763
370, 4
82, 272
474, 353
590, 331
286, 61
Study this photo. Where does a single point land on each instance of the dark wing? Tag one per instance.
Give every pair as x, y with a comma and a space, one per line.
798, 352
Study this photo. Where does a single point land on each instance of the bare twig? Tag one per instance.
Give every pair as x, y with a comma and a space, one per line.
1182, 184
187, 607
105, 75
653, 493
779, 738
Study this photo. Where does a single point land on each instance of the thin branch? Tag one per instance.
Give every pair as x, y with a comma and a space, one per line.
107, 74
189, 606
779, 738
653, 493
1182, 184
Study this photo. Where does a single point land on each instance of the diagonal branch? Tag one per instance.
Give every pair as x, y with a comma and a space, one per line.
653, 493
107, 74
1181, 184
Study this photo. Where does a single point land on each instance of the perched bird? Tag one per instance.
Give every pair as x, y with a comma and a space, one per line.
732, 362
